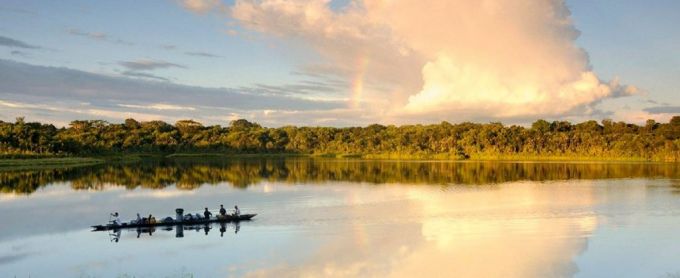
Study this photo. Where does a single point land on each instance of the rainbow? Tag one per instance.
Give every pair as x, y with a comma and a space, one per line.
358, 82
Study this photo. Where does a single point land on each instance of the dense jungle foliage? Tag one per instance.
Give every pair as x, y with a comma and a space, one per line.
543, 140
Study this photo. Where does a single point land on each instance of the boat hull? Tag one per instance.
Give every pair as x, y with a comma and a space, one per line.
218, 219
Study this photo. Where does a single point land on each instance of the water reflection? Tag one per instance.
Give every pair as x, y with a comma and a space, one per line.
328, 218
246, 172
179, 230
520, 230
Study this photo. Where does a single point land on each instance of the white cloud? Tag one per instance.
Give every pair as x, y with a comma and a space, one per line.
200, 6
364, 54
449, 58
158, 106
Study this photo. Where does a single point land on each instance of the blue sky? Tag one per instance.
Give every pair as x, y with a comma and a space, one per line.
635, 40
265, 61
144, 29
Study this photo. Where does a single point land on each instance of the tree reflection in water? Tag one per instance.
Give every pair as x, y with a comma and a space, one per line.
242, 173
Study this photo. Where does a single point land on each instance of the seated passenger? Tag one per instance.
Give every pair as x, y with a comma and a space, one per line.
116, 220
223, 211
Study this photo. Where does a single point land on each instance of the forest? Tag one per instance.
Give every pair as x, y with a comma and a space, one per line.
590, 140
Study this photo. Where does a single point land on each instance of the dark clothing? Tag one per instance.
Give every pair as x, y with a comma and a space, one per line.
207, 214
223, 211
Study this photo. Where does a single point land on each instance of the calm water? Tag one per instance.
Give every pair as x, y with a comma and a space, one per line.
339, 218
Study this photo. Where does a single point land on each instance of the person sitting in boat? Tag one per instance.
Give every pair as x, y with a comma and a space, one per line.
223, 211
207, 214
116, 219
237, 211
139, 219
152, 220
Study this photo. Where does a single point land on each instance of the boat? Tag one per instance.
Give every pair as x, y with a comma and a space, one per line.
179, 220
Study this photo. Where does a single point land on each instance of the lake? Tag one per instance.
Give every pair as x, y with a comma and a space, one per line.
347, 218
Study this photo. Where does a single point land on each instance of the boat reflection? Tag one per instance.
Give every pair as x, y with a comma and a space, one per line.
115, 235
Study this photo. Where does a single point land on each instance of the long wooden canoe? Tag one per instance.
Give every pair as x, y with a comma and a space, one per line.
218, 219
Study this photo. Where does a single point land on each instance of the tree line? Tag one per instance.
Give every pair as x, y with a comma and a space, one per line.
558, 139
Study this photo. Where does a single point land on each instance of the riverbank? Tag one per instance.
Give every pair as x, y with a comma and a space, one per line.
232, 155
42, 162
37, 162
48, 162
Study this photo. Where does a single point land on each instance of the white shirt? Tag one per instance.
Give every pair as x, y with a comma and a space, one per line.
116, 220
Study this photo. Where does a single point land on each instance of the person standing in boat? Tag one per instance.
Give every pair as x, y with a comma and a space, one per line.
223, 211
237, 211
207, 214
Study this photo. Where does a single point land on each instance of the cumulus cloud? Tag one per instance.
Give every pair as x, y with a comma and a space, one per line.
12, 43
449, 58
148, 64
375, 64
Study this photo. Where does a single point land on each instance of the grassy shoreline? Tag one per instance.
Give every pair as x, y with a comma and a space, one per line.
233, 155
47, 162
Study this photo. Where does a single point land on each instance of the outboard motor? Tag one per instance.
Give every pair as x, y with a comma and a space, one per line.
180, 214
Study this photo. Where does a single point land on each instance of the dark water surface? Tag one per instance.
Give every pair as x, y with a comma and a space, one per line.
347, 218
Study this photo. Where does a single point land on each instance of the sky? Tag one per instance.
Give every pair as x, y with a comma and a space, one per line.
340, 62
